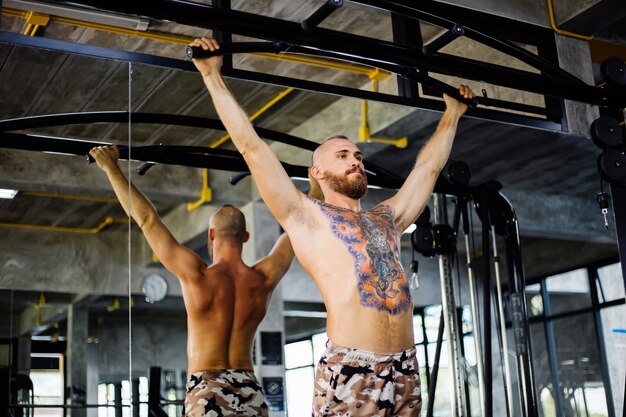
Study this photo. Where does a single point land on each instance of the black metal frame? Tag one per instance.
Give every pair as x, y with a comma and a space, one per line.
554, 82
404, 60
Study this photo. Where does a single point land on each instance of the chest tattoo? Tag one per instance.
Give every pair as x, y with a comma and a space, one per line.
370, 237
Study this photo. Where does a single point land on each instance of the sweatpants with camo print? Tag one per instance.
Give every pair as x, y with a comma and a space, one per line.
352, 382
226, 393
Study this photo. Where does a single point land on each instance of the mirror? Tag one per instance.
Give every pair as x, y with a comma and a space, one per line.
65, 269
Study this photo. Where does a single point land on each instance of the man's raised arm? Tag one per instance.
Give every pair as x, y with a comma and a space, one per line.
276, 264
275, 186
179, 260
417, 188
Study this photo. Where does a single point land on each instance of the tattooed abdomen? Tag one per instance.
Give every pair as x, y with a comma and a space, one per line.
370, 237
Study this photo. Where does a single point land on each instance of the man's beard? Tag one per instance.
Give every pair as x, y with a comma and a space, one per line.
355, 188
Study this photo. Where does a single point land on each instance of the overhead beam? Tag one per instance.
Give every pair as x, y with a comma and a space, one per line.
560, 83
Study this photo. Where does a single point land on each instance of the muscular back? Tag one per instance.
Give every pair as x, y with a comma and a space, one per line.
224, 304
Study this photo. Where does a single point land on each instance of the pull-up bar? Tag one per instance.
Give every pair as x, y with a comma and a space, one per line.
320, 14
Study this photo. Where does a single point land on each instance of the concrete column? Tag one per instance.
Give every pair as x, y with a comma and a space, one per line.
92, 378
23, 355
77, 324
574, 57
269, 351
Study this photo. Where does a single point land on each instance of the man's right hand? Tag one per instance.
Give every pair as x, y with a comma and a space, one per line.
105, 156
207, 66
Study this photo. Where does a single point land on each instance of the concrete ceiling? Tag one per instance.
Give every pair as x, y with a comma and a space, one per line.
35, 81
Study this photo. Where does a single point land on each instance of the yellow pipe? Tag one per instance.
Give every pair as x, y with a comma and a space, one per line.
564, 32
183, 40
115, 305
40, 303
107, 221
324, 63
68, 196
35, 21
14, 12
206, 194
364, 130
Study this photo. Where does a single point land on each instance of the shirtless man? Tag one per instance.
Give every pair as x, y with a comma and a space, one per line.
369, 367
225, 302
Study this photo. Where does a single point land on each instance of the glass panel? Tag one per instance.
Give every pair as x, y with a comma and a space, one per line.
319, 345
578, 359
420, 354
443, 358
298, 354
611, 283
470, 350
49, 388
442, 392
614, 333
418, 331
548, 406
299, 391
466, 319
534, 300
568, 291
143, 396
432, 314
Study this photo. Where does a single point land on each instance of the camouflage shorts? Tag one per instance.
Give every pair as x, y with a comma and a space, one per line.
224, 393
352, 382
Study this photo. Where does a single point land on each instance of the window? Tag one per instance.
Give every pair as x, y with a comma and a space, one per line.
300, 361
568, 291
47, 389
610, 283
534, 300
576, 347
47, 383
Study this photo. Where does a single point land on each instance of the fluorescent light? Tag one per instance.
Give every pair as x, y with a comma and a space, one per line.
87, 15
410, 229
6, 193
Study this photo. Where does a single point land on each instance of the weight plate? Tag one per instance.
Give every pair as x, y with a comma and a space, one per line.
614, 71
613, 165
606, 132
459, 173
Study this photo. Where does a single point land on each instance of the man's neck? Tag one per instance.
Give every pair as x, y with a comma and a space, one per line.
226, 252
340, 200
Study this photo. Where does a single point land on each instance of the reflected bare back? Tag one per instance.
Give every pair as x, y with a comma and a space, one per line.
225, 304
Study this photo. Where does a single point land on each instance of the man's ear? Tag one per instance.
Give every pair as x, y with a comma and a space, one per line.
316, 172
211, 234
246, 236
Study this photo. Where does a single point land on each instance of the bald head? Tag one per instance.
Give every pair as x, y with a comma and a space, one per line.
229, 223
315, 158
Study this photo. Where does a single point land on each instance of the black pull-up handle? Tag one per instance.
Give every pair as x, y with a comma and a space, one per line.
441, 87
144, 167
235, 48
234, 179
443, 40
123, 154
320, 14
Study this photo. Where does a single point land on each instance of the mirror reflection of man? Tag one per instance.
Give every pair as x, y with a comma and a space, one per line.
369, 367
225, 302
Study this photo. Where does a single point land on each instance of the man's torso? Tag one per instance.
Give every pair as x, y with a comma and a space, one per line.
354, 258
